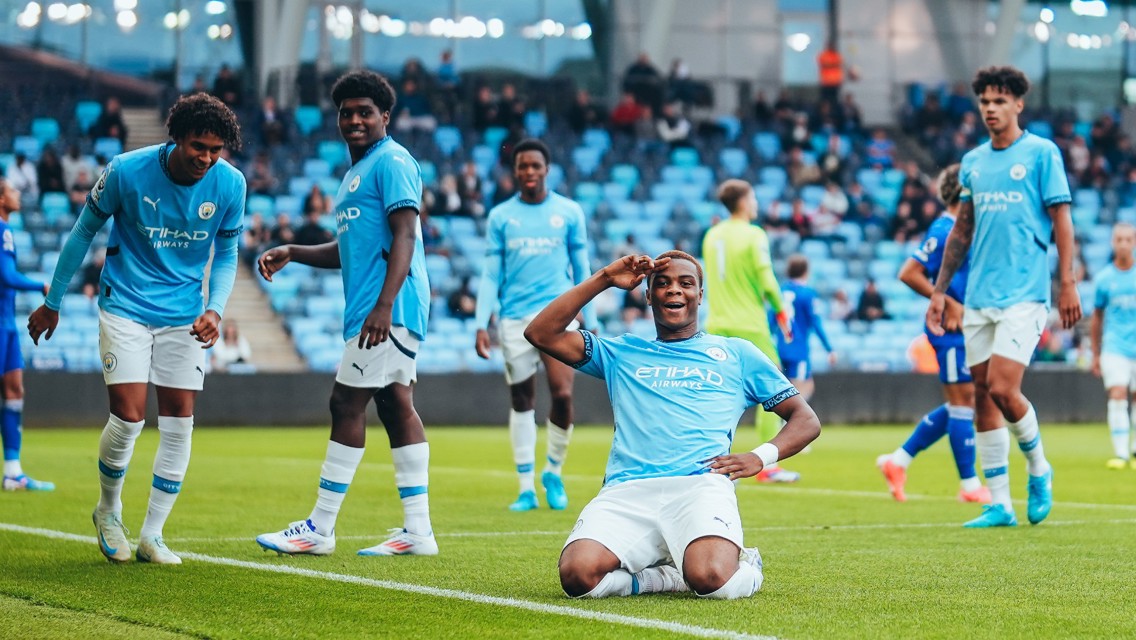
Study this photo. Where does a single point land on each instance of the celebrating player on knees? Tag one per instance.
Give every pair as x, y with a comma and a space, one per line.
173, 204
667, 516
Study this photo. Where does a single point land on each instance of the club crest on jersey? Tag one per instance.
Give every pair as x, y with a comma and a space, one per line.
206, 210
1018, 171
354, 184
110, 362
717, 353
556, 222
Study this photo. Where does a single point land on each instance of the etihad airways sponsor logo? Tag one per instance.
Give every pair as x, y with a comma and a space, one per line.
679, 377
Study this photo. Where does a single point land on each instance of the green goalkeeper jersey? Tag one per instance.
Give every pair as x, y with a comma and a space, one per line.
739, 278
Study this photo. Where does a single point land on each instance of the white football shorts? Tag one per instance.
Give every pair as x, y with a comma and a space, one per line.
1012, 332
521, 358
134, 352
1118, 371
382, 365
650, 522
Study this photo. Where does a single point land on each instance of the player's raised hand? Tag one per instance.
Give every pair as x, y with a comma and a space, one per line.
40, 320
376, 327
736, 465
206, 328
935, 313
1069, 304
273, 260
481, 344
629, 272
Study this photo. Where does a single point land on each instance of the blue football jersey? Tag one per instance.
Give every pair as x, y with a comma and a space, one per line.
11, 280
1116, 295
800, 302
930, 255
386, 179
677, 404
1011, 189
161, 238
535, 252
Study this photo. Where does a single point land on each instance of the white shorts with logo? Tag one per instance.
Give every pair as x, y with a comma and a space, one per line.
1012, 332
521, 358
650, 522
1118, 371
382, 365
134, 352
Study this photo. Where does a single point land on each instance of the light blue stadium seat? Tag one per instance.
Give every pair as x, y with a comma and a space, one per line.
23, 241
462, 228
47, 261
333, 152
290, 205
326, 359
317, 168
555, 177
29, 146
852, 233
731, 126
589, 191
55, 201
888, 198
870, 179
485, 158
625, 174
1084, 217
77, 304
536, 123
494, 136
774, 177
665, 192
332, 285
598, 139
587, 159
323, 307
308, 118
447, 139
438, 268
672, 174
733, 161
86, 113
299, 186
1087, 198
329, 185
704, 212
264, 205
691, 194
766, 195
700, 175
893, 178
657, 210
616, 230
812, 194
627, 209
108, 147
814, 249
685, 157
46, 130
1040, 128
882, 270
767, 144
828, 270
616, 192
437, 359
429, 172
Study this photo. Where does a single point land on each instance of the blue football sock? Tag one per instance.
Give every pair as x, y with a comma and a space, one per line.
10, 418
960, 429
932, 427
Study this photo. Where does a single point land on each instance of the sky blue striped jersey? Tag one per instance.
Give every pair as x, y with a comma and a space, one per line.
1116, 295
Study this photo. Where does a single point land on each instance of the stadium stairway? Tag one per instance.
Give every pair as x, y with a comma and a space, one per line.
272, 348
144, 127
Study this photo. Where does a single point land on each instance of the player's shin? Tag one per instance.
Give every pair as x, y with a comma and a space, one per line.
412, 477
338, 470
1029, 441
170, 464
994, 450
1119, 426
116, 447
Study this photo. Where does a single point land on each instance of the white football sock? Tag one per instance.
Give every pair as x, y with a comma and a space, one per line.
1118, 426
970, 484
522, 433
175, 438
616, 583
743, 584
338, 470
1029, 441
558, 439
901, 458
412, 477
116, 447
994, 450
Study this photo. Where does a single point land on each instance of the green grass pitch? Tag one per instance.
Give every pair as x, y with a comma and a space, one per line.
842, 560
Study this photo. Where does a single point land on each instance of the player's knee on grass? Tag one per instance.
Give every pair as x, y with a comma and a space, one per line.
709, 563
583, 564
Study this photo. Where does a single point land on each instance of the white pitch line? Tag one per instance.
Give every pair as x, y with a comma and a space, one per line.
453, 594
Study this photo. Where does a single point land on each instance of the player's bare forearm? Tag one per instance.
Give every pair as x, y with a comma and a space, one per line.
1063, 238
914, 275
548, 331
321, 256
958, 245
403, 224
1096, 329
802, 426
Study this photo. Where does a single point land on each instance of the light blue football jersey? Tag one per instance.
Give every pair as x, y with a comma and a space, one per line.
161, 238
1116, 295
677, 404
1011, 189
535, 252
386, 179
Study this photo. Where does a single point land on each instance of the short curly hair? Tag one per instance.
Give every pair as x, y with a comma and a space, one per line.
532, 144
1008, 79
677, 254
949, 186
202, 113
364, 84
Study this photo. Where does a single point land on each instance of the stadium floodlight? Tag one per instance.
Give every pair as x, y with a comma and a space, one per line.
126, 20
29, 17
798, 42
56, 11
369, 22
1041, 31
213, 32
1046, 15
215, 7
77, 12
1089, 8
495, 28
392, 27
125, 5
582, 31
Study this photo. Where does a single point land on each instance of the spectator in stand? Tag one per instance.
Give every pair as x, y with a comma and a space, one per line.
1097, 176
798, 135
762, 111
680, 87
271, 123
462, 303
485, 110
261, 178
74, 162
673, 127
831, 163
960, 102
880, 151
1104, 136
448, 201
255, 238
1078, 157
840, 307
433, 240
511, 108
312, 232
504, 189
851, 115
643, 81
49, 172
831, 67
871, 305
634, 307
469, 189
835, 201
232, 348
449, 85
413, 71
870, 219
585, 114
198, 86
930, 119
626, 114
283, 233
81, 188
92, 274
412, 111
905, 224
110, 123
800, 171
784, 110
800, 219
227, 87
317, 200
23, 175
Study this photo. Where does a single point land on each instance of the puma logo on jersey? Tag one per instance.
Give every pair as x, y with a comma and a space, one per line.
361, 369
152, 203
